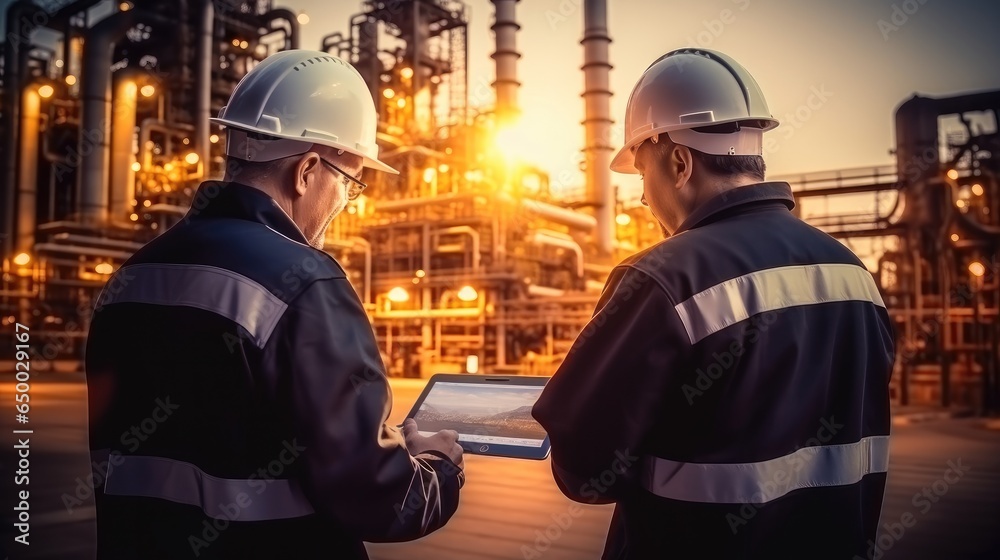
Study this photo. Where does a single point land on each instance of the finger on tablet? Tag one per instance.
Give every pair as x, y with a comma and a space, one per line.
409, 426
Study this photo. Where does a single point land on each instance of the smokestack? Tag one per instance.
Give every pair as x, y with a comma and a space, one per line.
505, 29
597, 120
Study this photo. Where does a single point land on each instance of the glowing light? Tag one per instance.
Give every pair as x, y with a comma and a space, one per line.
168, 167
406, 72
236, 42
191, 158
22, 259
443, 168
389, 93
977, 269
623, 219
303, 18
960, 203
244, 45
70, 80
214, 138
401, 102
512, 141
416, 280
472, 363
125, 6
977, 189
147, 90
398, 295
468, 293
136, 166
952, 174
429, 174
104, 268
420, 274
46, 91
134, 217
147, 203
955, 237
59, 63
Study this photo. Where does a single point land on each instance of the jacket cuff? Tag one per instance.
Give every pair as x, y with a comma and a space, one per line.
448, 468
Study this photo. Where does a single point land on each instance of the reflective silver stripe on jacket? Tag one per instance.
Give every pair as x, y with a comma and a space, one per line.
211, 288
738, 299
256, 499
757, 483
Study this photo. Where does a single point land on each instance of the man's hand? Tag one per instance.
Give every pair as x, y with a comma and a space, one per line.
445, 441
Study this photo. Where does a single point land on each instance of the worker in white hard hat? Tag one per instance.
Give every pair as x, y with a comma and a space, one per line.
238, 399
730, 394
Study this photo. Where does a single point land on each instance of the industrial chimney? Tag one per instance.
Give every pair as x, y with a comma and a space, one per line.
597, 120
505, 29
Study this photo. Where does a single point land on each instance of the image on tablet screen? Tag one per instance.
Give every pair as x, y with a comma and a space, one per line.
482, 413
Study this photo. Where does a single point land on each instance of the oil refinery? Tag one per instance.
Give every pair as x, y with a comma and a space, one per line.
466, 261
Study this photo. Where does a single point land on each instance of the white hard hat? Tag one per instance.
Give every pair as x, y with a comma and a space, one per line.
297, 98
692, 88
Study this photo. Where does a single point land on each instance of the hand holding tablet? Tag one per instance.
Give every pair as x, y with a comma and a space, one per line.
492, 414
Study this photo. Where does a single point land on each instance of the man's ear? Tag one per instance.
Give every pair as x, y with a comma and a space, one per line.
682, 162
306, 172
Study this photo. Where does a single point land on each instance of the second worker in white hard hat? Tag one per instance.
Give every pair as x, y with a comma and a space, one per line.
238, 400
730, 394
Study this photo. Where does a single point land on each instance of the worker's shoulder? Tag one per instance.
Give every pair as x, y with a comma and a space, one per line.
250, 249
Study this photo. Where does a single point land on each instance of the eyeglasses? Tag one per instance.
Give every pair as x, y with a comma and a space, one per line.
354, 186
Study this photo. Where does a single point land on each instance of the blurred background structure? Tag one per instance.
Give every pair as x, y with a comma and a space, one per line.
467, 261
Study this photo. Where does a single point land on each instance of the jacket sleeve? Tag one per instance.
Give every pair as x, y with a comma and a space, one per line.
601, 403
356, 468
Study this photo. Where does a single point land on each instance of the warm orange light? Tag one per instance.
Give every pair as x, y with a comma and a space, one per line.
952, 174
468, 293
623, 219
146, 203
22, 259
244, 45
443, 168
191, 158
136, 166
104, 268
147, 90
420, 274
406, 72
401, 102
46, 91
977, 269
134, 217
398, 295
214, 138
389, 93
977, 189
70, 79
303, 18
960, 203
955, 237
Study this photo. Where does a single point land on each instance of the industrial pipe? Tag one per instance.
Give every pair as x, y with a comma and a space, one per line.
23, 17
471, 232
122, 137
27, 195
556, 239
597, 120
293, 24
407, 203
560, 215
203, 86
505, 29
95, 83
149, 125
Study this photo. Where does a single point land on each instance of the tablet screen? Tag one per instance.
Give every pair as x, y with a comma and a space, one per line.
482, 413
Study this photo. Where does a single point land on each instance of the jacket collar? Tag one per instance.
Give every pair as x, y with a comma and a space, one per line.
773, 192
221, 199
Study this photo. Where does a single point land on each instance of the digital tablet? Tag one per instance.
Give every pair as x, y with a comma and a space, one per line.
491, 413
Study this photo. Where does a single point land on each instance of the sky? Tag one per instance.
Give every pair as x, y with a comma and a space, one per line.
833, 72
479, 397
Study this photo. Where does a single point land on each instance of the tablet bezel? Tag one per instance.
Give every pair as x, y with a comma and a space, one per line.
493, 450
